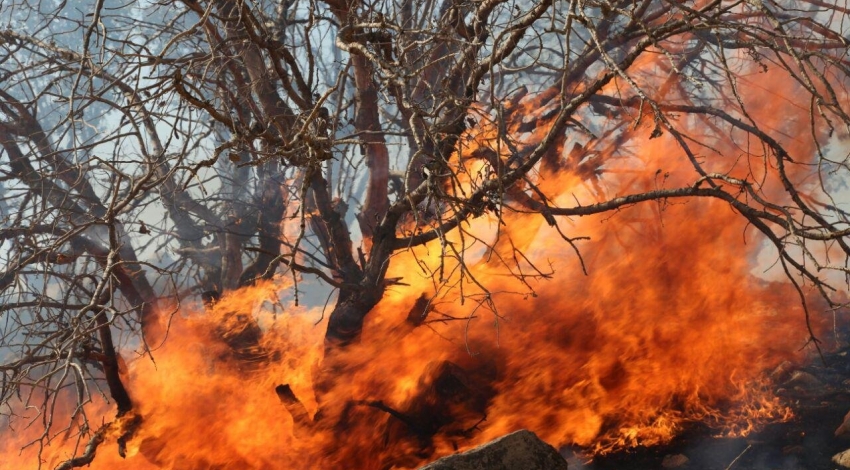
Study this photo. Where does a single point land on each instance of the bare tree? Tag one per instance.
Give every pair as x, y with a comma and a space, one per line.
154, 154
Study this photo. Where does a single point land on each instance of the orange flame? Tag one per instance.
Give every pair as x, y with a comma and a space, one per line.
669, 326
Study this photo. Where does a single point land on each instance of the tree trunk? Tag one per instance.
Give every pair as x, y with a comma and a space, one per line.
346, 319
344, 328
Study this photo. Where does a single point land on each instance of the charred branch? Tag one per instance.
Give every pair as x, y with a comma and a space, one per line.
419, 312
296, 409
89, 453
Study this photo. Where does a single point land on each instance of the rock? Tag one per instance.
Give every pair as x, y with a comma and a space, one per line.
782, 371
844, 429
521, 450
842, 459
576, 459
674, 461
805, 382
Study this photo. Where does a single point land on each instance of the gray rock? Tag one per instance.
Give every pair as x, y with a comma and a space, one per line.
674, 461
521, 450
782, 372
844, 429
804, 381
842, 459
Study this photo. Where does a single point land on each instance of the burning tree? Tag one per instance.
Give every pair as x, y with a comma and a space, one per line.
406, 160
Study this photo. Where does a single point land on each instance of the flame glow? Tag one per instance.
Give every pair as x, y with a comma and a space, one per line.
669, 326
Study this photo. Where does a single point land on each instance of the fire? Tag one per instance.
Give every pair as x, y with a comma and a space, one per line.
671, 325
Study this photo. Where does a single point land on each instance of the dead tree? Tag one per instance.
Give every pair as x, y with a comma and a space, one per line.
145, 163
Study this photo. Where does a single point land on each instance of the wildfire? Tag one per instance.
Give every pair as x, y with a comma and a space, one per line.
669, 326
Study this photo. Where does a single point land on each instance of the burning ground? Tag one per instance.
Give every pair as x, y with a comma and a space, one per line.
669, 327
648, 320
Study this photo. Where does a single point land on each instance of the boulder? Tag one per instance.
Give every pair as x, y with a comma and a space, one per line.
844, 429
674, 461
521, 450
782, 372
842, 459
805, 382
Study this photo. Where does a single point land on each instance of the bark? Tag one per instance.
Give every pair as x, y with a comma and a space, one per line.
340, 255
296, 409
368, 124
89, 453
346, 320
268, 228
231, 258
278, 117
110, 366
